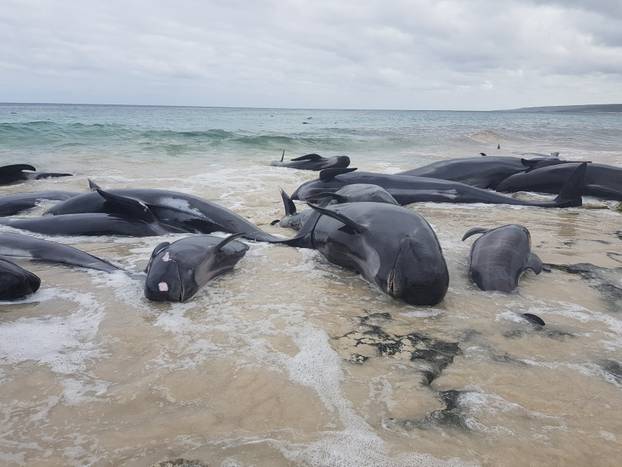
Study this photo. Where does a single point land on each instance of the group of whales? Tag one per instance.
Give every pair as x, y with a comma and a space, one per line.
356, 220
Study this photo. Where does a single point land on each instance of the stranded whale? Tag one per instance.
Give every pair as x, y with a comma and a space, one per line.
176, 271
390, 246
500, 256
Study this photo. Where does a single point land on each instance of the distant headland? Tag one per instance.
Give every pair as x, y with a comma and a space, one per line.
572, 108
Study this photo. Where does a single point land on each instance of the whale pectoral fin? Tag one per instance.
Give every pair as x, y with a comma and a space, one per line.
309, 157
288, 204
127, 207
15, 168
228, 239
93, 186
340, 217
534, 263
473, 231
328, 174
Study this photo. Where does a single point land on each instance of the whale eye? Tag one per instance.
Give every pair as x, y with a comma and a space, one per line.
163, 287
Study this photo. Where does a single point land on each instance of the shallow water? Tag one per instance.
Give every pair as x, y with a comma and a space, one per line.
291, 360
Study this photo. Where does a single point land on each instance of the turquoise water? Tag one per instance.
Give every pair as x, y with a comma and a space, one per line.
39, 131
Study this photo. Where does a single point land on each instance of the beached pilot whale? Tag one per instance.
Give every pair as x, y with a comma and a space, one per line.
19, 172
602, 181
176, 271
176, 211
390, 246
122, 216
17, 246
482, 172
356, 193
500, 256
313, 162
16, 282
18, 202
408, 189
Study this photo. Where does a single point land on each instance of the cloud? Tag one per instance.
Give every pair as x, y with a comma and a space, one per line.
293, 53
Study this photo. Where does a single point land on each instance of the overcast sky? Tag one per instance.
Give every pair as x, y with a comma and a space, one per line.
416, 54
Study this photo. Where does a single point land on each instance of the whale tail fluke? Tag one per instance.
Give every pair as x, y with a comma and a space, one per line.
571, 192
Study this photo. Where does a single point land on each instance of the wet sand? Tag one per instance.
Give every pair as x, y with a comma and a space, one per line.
290, 360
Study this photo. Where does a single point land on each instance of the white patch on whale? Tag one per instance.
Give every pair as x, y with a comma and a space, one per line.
163, 287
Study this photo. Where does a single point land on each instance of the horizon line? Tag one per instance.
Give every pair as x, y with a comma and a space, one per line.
303, 108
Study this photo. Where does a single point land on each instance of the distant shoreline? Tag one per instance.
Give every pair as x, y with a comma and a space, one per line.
583, 108
572, 108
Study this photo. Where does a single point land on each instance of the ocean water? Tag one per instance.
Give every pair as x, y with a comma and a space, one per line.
281, 362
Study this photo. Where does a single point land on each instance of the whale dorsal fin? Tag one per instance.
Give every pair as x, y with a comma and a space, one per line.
15, 168
283, 155
328, 174
93, 186
474, 231
358, 228
288, 204
483, 154
127, 207
228, 239
571, 191
534, 263
309, 157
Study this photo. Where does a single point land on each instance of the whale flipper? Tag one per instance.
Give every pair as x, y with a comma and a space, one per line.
328, 174
534, 263
340, 217
473, 231
228, 239
127, 207
308, 157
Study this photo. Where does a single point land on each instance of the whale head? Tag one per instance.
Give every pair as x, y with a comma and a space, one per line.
16, 282
418, 275
167, 279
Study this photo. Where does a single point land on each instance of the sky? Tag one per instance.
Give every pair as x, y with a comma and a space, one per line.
415, 54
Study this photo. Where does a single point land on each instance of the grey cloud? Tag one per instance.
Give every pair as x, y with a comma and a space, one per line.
413, 54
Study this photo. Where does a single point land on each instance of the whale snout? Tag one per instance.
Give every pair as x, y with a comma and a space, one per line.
16, 282
165, 283
419, 275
